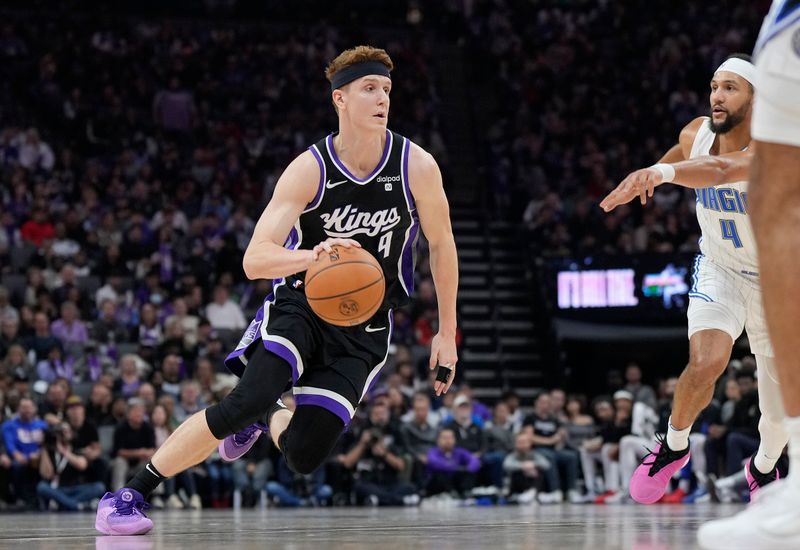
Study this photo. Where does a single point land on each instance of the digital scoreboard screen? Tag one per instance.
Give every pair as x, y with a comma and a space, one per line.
634, 288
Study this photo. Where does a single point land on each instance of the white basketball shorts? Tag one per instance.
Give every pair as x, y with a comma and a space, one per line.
724, 299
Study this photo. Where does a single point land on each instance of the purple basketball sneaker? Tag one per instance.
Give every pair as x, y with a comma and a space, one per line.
121, 513
236, 445
650, 480
756, 480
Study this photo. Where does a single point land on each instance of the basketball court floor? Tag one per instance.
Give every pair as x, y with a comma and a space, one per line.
537, 527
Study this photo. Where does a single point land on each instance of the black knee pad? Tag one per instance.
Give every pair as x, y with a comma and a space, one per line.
309, 439
262, 383
304, 461
235, 412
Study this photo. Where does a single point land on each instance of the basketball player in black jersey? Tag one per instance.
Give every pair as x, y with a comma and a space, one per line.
363, 186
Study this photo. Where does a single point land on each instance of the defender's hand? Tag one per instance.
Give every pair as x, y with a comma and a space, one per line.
641, 182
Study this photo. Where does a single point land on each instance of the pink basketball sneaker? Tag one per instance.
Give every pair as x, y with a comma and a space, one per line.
650, 480
121, 513
756, 480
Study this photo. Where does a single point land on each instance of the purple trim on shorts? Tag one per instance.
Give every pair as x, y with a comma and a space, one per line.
386, 146
326, 403
284, 353
314, 203
233, 362
388, 342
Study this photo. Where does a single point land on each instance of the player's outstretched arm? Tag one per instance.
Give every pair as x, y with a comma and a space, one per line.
696, 173
425, 181
266, 257
642, 183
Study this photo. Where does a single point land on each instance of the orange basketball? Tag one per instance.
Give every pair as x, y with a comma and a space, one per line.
345, 287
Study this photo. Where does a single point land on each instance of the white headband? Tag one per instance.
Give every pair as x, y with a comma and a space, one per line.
743, 68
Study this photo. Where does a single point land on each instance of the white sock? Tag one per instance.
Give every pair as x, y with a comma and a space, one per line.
763, 462
792, 424
677, 440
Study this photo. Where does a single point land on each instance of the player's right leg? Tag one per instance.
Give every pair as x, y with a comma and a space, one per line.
262, 383
716, 316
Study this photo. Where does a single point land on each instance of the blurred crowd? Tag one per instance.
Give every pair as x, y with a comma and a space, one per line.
586, 92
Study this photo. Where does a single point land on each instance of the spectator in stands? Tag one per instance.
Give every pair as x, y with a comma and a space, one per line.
51, 410
419, 435
16, 362
189, 322
161, 431
71, 468
223, 313
98, 410
134, 444
516, 415
170, 376
499, 437
549, 439
377, 462
558, 399
55, 365
469, 435
23, 437
38, 228
250, 474
108, 329
292, 490
189, 402
522, 466
451, 469
742, 440
9, 335
642, 393
42, 340
7, 311
35, 154
150, 330
579, 425
147, 395
130, 380
606, 446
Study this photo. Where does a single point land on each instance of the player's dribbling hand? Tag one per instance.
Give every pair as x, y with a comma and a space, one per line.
641, 183
443, 352
328, 244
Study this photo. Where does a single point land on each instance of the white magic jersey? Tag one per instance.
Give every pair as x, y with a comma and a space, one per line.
727, 237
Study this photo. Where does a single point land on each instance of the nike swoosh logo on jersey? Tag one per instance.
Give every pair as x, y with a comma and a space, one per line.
371, 329
330, 185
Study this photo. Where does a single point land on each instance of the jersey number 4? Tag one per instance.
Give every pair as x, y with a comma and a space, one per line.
729, 232
385, 243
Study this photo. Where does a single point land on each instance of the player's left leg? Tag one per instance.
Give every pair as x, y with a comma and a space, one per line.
309, 437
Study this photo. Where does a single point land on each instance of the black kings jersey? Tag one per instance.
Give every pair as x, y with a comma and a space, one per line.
378, 212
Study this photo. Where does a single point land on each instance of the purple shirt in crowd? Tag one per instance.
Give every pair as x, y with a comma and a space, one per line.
459, 459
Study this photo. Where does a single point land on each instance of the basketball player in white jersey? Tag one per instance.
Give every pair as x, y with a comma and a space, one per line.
725, 297
774, 521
